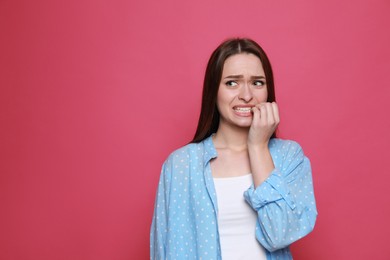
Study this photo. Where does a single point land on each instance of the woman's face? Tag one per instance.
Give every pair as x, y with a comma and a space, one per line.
242, 86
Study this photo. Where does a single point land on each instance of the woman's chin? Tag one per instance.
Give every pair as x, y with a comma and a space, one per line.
244, 123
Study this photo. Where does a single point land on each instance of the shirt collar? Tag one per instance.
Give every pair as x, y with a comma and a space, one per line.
210, 151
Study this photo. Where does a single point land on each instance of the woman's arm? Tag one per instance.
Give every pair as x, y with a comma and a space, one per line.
264, 123
283, 197
158, 232
285, 201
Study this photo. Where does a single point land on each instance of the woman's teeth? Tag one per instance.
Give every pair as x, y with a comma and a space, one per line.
243, 109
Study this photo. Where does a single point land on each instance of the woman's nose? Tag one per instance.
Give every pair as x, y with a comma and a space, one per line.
245, 93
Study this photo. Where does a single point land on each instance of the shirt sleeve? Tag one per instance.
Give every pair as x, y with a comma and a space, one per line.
159, 227
285, 201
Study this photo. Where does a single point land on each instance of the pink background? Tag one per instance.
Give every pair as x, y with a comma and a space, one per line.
95, 95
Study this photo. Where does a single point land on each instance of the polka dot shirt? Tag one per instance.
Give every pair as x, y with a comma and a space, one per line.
184, 224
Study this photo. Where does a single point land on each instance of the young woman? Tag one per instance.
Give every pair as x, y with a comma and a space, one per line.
236, 191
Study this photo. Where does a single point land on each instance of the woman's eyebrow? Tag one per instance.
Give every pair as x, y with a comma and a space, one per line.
257, 77
241, 76
234, 77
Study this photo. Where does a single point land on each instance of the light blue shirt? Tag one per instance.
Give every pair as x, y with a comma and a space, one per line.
185, 224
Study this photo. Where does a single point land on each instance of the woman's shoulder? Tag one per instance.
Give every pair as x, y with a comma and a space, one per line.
185, 159
284, 145
187, 151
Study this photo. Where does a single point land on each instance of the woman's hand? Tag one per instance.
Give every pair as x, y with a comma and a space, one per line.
264, 123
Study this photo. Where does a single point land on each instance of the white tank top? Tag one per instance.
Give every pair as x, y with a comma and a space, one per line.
237, 220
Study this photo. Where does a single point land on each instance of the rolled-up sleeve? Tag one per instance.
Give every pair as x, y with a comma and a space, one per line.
284, 202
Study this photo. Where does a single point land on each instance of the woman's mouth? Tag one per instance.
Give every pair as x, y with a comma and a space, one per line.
243, 111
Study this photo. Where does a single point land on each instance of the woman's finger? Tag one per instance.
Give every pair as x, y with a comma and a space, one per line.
263, 114
270, 114
256, 115
275, 110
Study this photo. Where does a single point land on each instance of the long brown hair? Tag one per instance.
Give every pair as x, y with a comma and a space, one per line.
209, 114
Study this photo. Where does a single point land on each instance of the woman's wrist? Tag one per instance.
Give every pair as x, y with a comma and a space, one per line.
260, 161
258, 147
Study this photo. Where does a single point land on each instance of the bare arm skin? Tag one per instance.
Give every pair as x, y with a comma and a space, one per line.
265, 120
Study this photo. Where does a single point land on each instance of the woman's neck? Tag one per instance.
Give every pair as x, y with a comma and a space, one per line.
228, 137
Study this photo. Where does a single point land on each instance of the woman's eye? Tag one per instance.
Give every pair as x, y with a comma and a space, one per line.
259, 83
231, 83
